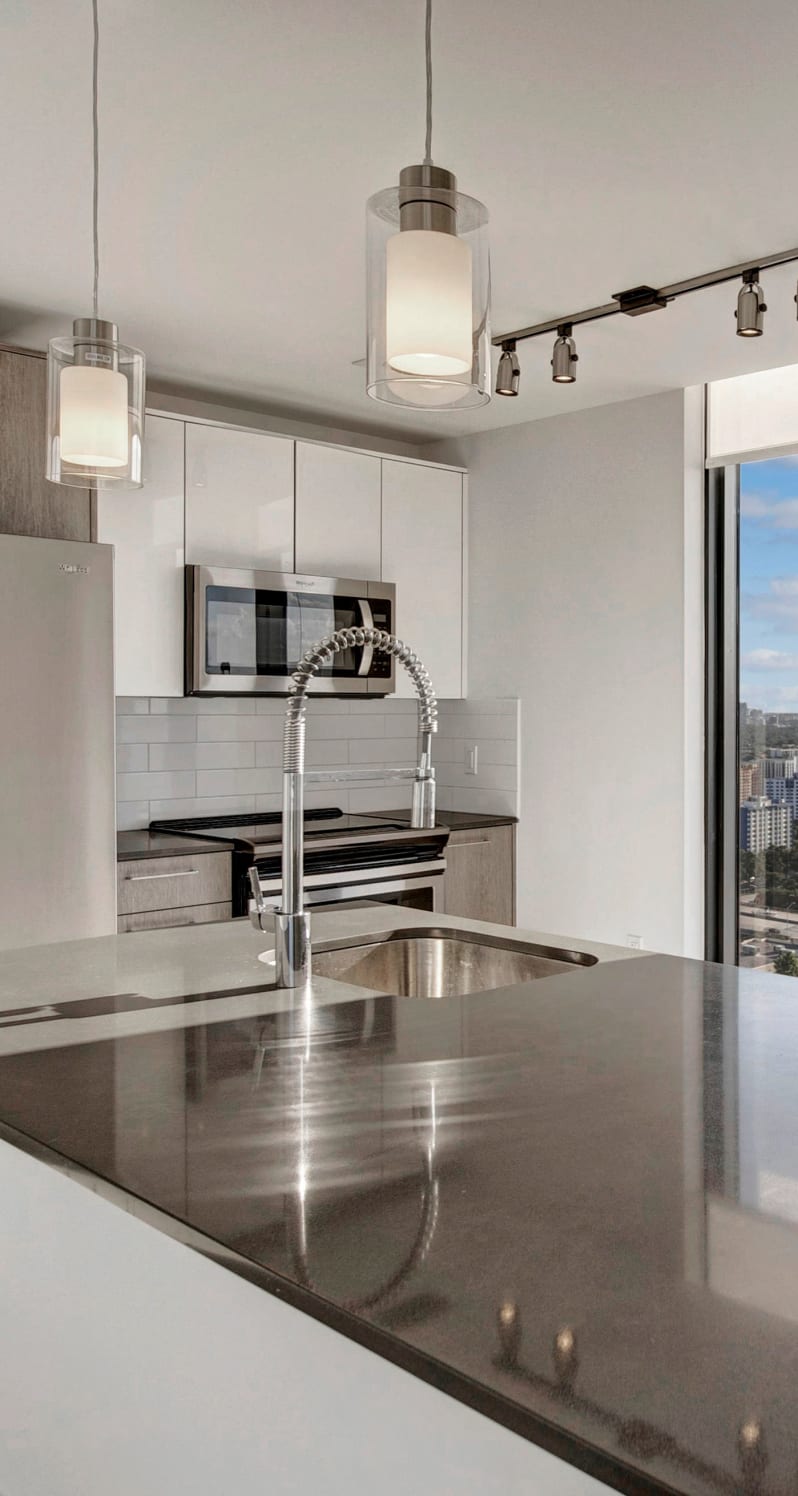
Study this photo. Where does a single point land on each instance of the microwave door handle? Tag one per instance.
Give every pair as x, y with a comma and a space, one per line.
366, 622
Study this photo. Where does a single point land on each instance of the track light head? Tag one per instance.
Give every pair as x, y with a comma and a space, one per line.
564, 357
750, 307
508, 374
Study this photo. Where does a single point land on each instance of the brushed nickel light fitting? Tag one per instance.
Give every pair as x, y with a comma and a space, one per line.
636, 302
750, 306
508, 374
428, 337
95, 384
564, 357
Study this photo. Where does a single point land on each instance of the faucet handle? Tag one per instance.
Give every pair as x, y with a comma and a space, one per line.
261, 908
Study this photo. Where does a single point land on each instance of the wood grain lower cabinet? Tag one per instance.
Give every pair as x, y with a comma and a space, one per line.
29, 505
155, 892
165, 919
479, 882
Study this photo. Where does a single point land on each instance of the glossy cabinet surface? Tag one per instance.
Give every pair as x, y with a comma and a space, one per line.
146, 529
422, 553
239, 498
479, 882
338, 512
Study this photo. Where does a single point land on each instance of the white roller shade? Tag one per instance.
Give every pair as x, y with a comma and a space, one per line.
752, 416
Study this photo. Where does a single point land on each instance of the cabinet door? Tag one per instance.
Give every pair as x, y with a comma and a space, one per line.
29, 505
239, 499
480, 874
146, 531
422, 552
338, 521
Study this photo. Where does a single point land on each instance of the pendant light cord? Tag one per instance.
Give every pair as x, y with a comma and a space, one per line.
428, 59
96, 153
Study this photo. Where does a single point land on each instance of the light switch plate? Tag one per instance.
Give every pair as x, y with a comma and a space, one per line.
472, 758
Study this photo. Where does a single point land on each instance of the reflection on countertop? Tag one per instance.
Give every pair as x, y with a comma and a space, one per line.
573, 1204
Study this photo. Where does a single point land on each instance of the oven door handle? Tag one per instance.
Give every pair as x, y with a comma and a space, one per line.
366, 622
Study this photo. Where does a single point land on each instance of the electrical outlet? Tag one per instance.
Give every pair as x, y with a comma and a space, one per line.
472, 759
635, 942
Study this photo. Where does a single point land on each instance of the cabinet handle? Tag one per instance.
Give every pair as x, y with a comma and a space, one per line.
482, 841
151, 877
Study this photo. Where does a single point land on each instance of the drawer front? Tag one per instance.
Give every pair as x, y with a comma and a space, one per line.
173, 882
162, 919
480, 874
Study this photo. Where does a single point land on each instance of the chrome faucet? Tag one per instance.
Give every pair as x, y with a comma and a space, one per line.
292, 920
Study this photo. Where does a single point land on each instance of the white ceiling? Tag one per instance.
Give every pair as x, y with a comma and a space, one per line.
614, 142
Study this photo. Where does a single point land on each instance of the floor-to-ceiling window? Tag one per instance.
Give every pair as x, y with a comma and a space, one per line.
768, 715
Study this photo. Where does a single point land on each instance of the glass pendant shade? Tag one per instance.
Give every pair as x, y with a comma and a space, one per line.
428, 294
95, 408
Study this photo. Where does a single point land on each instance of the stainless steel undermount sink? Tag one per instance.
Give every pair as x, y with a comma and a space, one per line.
441, 963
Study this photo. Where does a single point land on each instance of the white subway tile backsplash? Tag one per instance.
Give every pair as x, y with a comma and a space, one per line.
492, 751
163, 786
217, 756
172, 756
237, 781
228, 755
269, 802
175, 706
244, 728
148, 729
268, 754
391, 797
132, 815
394, 752
131, 757
352, 728
328, 752
132, 705
172, 810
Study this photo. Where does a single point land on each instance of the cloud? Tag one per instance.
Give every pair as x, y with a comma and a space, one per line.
777, 607
777, 514
769, 659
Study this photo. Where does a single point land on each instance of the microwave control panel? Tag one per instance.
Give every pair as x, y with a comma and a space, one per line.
382, 664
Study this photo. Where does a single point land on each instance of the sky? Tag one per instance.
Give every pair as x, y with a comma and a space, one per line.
769, 584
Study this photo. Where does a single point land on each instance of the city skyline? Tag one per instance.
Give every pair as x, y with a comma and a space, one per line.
769, 584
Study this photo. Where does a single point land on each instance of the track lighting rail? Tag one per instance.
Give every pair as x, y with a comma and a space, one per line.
632, 303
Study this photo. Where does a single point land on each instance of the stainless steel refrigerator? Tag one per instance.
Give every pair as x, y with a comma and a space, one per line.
57, 796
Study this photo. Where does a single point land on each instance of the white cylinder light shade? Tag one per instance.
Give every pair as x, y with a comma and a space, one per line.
428, 334
94, 417
428, 303
95, 409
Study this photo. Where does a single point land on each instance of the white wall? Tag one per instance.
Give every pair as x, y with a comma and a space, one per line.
585, 601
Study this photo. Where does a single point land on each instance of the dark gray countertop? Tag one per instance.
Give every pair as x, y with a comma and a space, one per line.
133, 844
573, 1204
456, 820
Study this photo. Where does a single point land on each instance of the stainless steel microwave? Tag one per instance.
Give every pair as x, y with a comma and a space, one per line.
246, 632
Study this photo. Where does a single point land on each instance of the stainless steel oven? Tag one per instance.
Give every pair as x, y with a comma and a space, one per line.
246, 632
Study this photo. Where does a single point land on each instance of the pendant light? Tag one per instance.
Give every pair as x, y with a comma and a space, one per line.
428, 286
95, 384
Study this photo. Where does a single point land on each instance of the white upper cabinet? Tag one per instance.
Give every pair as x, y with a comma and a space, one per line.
422, 552
239, 499
338, 522
146, 530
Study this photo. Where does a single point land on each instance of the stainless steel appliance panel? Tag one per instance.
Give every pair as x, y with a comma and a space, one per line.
57, 798
247, 630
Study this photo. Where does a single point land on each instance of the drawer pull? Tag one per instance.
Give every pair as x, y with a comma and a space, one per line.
151, 877
481, 841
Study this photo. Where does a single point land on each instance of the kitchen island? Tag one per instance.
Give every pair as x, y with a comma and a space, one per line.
527, 1239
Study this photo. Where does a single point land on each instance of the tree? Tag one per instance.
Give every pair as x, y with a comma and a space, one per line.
786, 964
